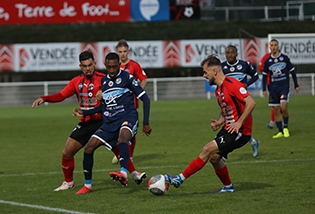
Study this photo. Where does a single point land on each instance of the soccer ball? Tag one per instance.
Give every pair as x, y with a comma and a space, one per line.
158, 185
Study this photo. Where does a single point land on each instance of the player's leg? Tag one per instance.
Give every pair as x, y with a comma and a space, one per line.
88, 162
285, 113
272, 119
255, 144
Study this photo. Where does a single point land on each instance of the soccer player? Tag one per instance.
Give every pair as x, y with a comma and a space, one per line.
122, 49
240, 69
261, 69
120, 120
84, 86
279, 66
236, 107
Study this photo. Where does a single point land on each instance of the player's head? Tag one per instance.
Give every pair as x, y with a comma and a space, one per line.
274, 47
87, 63
231, 54
112, 64
212, 69
122, 49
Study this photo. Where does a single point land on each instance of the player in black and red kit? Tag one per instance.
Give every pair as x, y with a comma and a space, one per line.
236, 107
126, 64
84, 86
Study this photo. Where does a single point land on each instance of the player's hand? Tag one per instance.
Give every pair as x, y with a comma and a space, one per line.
234, 127
99, 95
265, 93
146, 130
297, 89
77, 112
215, 125
37, 102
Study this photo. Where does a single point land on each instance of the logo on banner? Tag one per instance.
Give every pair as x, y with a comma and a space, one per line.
24, 57
189, 53
149, 10
106, 50
251, 51
6, 58
171, 53
92, 47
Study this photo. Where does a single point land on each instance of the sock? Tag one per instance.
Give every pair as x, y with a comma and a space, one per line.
124, 155
223, 175
194, 166
279, 126
87, 166
252, 141
123, 170
131, 166
132, 147
272, 115
88, 184
285, 122
67, 165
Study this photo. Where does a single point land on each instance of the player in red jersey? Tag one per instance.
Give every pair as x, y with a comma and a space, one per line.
236, 107
261, 69
84, 86
122, 49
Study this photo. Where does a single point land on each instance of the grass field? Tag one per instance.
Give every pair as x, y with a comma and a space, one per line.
279, 180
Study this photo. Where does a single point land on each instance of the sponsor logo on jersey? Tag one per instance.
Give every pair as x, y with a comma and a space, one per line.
243, 90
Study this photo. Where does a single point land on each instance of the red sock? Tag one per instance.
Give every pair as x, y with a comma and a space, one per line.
194, 166
132, 147
223, 175
67, 165
272, 115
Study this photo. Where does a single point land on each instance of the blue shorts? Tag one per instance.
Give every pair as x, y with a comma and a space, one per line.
278, 95
227, 142
108, 133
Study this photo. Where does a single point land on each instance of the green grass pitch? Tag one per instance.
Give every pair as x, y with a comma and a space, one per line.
279, 180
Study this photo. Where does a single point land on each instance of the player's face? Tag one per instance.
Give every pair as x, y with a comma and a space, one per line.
208, 73
112, 67
88, 67
123, 52
230, 55
274, 47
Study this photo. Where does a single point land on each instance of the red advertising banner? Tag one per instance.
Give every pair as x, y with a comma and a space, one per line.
63, 12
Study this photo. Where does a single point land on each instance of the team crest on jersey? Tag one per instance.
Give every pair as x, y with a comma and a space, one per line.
232, 69
118, 80
135, 83
239, 67
243, 90
80, 86
110, 84
281, 58
91, 87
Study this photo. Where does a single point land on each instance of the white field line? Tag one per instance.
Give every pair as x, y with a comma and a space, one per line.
41, 207
164, 167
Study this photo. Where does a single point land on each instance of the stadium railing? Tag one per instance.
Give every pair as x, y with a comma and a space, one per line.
15, 94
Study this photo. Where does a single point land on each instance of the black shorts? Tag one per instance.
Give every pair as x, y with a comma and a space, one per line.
85, 130
228, 142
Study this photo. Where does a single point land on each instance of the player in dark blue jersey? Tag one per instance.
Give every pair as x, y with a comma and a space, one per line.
120, 120
279, 66
240, 69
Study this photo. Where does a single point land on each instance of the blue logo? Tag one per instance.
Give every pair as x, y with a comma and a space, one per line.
149, 10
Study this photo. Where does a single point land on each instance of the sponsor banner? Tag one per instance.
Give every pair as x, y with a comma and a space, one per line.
149, 10
299, 47
194, 51
7, 57
184, 9
149, 54
14, 12
47, 57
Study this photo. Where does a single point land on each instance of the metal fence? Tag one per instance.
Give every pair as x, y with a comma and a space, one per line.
15, 94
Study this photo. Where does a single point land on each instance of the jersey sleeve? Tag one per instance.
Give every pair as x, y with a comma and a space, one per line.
69, 90
139, 72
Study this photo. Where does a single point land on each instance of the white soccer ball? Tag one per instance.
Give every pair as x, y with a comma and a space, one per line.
158, 185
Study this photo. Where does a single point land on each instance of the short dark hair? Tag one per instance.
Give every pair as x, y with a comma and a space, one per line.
211, 60
232, 46
112, 56
86, 55
274, 40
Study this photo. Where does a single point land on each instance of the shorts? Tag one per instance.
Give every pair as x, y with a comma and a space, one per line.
227, 142
84, 130
108, 133
278, 95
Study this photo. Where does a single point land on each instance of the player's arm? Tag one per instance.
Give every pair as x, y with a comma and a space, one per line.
143, 83
53, 98
294, 77
79, 112
216, 124
253, 74
146, 113
249, 107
